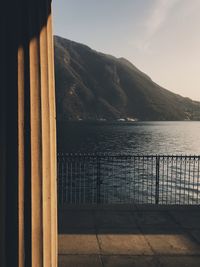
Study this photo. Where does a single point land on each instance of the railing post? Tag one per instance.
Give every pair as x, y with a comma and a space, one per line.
98, 180
157, 179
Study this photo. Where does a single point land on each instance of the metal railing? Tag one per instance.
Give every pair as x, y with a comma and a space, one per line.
100, 179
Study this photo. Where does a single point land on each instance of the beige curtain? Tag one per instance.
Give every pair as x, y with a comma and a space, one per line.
28, 207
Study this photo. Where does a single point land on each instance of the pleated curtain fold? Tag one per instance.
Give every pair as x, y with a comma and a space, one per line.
28, 194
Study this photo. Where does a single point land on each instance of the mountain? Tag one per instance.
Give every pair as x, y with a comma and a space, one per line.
91, 85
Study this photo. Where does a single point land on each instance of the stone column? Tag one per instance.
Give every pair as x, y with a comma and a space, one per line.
28, 207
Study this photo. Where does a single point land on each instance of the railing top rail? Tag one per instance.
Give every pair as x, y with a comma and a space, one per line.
106, 155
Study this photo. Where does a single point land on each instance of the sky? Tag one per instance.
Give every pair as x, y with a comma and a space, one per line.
160, 37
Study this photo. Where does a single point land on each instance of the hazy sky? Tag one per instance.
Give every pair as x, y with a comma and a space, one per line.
160, 37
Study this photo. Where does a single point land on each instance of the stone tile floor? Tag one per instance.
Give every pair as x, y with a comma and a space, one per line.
128, 236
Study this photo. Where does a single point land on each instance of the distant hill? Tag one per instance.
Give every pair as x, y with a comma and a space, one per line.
92, 86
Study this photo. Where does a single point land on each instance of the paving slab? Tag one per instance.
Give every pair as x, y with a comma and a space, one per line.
80, 261
78, 244
129, 261
171, 242
124, 244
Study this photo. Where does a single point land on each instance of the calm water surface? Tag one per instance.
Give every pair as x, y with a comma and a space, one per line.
127, 180
129, 138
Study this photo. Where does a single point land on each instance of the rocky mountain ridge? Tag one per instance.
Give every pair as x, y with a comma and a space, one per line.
94, 86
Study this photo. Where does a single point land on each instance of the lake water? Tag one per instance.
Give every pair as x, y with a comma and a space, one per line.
129, 179
130, 138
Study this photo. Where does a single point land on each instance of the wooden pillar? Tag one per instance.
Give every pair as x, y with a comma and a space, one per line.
28, 202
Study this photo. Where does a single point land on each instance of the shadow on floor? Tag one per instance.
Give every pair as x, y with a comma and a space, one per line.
129, 236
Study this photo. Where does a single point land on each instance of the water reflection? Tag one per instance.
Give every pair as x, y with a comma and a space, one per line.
125, 138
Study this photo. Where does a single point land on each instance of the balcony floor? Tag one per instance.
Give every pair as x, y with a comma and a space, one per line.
128, 236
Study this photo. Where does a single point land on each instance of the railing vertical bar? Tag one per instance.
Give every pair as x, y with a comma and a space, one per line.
175, 180
105, 181
189, 178
180, 181
134, 178
94, 184
152, 178
193, 181
162, 179
102, 182
130, 179
196, 180
126, 181
113, 180
167, 180
157, 178
172, 164
123, 182
143, 179
120, 180
138, 178
185, 177
147, 166
123, 188
198, 185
